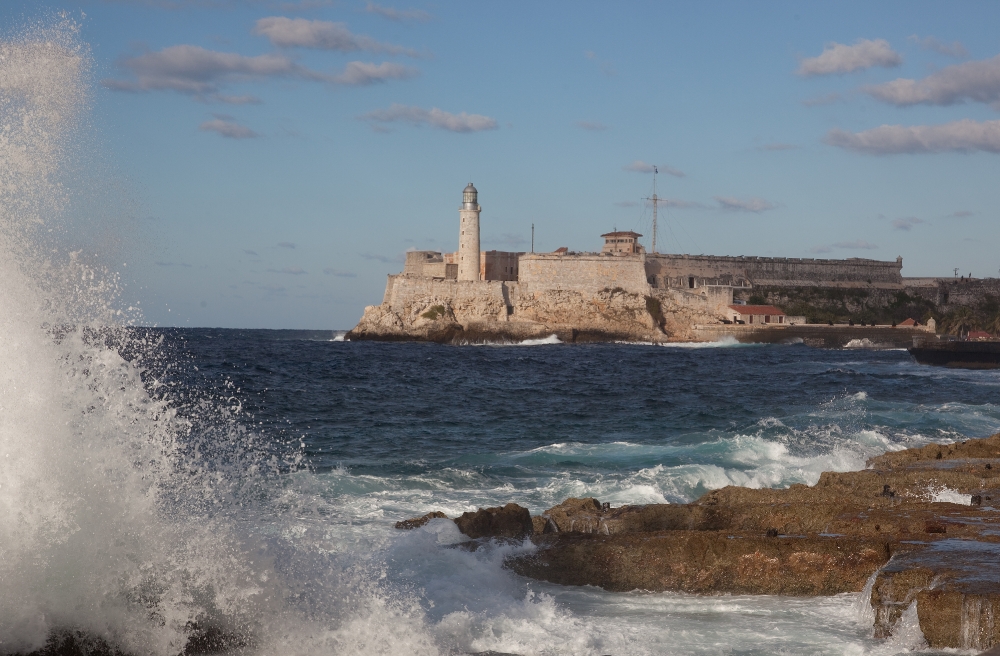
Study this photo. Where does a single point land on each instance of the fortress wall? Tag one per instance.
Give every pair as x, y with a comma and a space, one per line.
775, 269
585, 272
956, 291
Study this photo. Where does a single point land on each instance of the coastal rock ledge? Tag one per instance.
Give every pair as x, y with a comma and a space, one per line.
920, 526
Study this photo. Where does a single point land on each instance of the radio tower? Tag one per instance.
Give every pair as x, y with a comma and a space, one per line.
656, 201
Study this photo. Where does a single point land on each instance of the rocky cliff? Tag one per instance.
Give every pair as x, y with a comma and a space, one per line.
416, 308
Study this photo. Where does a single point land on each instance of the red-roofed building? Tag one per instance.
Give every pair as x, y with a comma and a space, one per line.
979, 334
909, 322
757, 314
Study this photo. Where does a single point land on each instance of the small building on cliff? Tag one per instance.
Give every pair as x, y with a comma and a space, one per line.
757, 314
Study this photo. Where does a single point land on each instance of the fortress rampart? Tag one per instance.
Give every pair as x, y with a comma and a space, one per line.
666, 270
583, 272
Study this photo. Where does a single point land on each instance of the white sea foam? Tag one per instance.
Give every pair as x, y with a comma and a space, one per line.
725, 342
551, 339
947, 495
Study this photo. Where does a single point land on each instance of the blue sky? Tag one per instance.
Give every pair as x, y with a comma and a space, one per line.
279, 157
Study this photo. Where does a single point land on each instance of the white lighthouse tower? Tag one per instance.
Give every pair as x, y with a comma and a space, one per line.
468, 238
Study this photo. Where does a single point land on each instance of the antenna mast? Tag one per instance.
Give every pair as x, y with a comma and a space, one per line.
656, 202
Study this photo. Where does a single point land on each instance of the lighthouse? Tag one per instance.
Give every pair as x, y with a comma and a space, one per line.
468, 238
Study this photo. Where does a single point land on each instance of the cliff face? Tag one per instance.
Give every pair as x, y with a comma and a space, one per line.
455, 311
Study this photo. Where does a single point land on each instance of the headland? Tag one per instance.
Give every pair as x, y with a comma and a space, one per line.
624, 293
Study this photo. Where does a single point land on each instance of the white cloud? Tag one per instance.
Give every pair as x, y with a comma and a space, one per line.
978, 81
237, 100
906, 223
961, 136
821, 249
434, 117
228, 127
593, 126
321, 35
840, 58
953, 49
639, 166
752, 204
397, 14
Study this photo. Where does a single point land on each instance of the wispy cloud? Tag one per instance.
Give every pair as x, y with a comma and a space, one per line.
195, 70
365, 73
593, 126
201, 73
605, 67
839, 58
752, 204
383, 258
228, 127
397, 14
249, 252
639, 166
953, 49
906, 223
627, 203
170, 264
433, 117
821, 249
286, 32
976, 81
960, 214
339, 273
286, 244
292, 271
959, 136
675, 203
856, 244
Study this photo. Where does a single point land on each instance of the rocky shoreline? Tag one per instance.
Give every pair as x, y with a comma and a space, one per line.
920, 526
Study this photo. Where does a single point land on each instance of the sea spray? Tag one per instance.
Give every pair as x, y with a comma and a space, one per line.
105, 526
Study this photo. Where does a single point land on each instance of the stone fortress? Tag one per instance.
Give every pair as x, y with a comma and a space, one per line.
621, 292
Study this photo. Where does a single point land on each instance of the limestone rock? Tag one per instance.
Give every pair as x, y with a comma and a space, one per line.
511, 521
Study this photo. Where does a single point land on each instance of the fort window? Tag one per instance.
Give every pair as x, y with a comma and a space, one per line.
691, 282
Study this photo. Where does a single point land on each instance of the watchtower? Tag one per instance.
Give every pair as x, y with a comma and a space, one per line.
468, 238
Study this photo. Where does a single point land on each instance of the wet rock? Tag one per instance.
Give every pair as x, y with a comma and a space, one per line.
417, 522
806, 540
511, 521
706, 561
